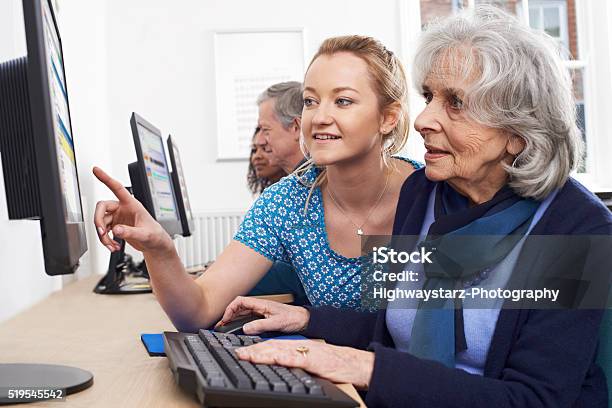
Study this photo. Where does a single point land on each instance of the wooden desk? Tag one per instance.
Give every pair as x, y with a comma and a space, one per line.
101, 334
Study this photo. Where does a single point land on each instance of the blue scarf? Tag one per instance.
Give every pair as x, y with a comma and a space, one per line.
467, 240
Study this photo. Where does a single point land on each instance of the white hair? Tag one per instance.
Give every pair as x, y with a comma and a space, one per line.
288, 101
521, 87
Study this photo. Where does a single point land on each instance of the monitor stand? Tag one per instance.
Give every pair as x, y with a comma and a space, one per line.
21, 383
123, 277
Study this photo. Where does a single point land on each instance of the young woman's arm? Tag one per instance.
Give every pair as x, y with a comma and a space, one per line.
194, 304
190, 304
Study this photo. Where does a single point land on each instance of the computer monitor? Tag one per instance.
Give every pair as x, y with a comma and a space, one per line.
40, 172
150, 176
38, 156
152, 186
180, 187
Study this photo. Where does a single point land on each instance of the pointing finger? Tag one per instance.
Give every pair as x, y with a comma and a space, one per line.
116, 187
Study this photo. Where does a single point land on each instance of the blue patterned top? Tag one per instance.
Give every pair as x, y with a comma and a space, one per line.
277, 227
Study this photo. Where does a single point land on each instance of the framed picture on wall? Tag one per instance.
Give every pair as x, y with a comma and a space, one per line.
246, 63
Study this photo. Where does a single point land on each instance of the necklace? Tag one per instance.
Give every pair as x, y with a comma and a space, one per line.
359, 230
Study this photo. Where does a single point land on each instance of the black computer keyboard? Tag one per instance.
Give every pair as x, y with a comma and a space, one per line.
205, 364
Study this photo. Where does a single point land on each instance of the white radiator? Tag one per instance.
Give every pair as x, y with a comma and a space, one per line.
212, 232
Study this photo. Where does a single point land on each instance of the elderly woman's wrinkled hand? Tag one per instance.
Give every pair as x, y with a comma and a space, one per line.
277, 316
337, 364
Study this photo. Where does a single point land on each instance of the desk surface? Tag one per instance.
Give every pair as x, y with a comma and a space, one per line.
101, 334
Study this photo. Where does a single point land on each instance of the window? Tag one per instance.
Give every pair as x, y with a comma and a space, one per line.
550, 16
558, 19
573, 24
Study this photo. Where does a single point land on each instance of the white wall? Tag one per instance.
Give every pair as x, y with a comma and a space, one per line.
82, 26
13, 37
160, 64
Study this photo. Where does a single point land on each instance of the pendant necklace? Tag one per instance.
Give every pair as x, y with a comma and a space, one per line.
359, 228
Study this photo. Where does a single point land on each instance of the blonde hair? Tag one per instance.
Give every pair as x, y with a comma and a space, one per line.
390, 85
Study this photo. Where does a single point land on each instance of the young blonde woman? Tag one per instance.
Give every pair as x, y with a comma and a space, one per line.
354, 120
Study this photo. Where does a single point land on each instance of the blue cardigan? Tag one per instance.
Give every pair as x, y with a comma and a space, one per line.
537, 358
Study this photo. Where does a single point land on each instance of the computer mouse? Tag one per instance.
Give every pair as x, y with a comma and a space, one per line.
235, 326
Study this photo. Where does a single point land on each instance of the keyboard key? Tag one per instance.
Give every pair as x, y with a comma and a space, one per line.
240, 380
300, 374
206, 333
287, 376
208, 338
231, 367
195, 343
251, 371
279, 386
263, 368
262, 385
247, 341
315, 390
217, 382
293, 381
234, 340
214, 374
209, 369
267, 372
298, 389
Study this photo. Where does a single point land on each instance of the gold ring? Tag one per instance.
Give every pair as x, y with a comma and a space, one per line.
303, 350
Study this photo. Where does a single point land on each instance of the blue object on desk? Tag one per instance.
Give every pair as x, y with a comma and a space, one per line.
154, 343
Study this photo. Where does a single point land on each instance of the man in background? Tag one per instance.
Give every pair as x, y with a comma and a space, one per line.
280, 115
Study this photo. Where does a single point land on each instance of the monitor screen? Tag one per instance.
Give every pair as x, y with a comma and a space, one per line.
61, 119
158, 175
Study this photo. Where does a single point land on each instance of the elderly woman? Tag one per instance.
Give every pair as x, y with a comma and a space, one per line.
501, 139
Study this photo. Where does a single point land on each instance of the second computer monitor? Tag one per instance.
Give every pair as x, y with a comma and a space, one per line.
150, 176
180, 188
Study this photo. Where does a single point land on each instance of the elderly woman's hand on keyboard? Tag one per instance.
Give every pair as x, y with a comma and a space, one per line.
337, 364
334, 363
